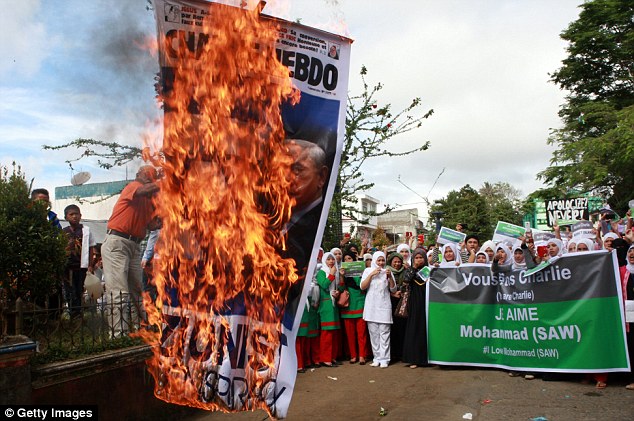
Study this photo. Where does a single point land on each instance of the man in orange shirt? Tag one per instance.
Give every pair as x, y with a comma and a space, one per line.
132, 215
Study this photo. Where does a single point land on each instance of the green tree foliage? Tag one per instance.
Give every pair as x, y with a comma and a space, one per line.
33, 252
482, 209
595, 146
503, 203
465, 206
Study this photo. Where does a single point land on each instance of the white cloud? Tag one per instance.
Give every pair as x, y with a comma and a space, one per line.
24, 44
483, 67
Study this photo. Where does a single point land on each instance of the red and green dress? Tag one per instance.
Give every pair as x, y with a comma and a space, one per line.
329, 317
355, 326
328, 311
309, 326
357, 299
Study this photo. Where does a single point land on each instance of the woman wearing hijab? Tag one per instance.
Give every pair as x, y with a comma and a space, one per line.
415, 343
519, 261
571, 247
450, 257
352, 249
338, 339
338, 256
555, 248
327, 278
627, 284
489, 247
404, 251
354, 325
503, 261
608, 239
378, 281
503, 254
585, 244
482, 257
396, 266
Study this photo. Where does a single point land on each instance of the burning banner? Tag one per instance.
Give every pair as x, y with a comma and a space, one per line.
253, 130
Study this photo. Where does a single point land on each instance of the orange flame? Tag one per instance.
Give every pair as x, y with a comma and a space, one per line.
224, 202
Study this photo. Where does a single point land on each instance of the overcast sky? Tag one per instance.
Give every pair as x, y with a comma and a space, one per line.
76, 68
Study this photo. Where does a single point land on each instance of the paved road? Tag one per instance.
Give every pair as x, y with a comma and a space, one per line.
434, 393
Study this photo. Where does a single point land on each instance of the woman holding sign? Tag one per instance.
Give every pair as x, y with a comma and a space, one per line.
355, 327
415, 343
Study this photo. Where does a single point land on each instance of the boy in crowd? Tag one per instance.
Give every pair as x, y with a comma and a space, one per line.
42, 195
81, 248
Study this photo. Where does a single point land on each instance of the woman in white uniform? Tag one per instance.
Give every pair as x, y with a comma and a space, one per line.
378, 281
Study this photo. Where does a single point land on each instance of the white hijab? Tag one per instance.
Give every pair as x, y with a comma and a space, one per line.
518, 266
489, 244
588, 242
558, 243
507, 250
570, 243
374, 265
375, 257
402, 247
337, 264
486, 256
326, 270
609, 235
456, 258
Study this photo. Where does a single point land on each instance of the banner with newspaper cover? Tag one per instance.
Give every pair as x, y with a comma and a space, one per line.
568, 317
319, 66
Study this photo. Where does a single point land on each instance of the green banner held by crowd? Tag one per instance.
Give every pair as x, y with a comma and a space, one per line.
567, 317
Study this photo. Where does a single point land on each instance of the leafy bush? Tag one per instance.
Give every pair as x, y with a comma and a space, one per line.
32, 251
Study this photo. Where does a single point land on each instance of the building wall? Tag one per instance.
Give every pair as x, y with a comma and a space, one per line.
400, 222
95, 200
369, 223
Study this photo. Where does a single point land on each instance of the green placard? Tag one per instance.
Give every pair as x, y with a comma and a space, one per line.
424, 273
353, 268
505, 231
447, 235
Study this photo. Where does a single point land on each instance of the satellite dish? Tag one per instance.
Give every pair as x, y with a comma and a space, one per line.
80, 178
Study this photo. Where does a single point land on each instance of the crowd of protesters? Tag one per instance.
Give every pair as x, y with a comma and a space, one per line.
377, 328
376, 316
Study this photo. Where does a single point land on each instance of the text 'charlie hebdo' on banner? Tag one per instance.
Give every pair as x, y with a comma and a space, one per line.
221, 363
565, 318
